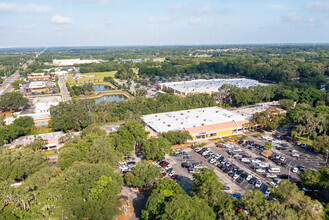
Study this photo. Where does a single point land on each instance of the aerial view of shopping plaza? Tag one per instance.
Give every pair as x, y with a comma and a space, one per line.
156, 110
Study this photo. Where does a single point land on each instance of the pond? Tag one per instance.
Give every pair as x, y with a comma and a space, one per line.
100, 88
110, 98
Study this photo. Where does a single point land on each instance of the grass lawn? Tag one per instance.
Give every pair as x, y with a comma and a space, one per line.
50, 152
303, 139
90, 77
40, 130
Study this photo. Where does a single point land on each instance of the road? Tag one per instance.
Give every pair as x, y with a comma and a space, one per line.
6, 85
65, 93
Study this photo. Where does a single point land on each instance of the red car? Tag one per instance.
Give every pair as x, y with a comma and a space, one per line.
165, 164
163, 175
219, 145
174, 176
231, 166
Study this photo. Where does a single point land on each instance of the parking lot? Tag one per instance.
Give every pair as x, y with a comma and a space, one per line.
233, 151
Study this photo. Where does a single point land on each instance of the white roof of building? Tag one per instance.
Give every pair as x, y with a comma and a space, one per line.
37, 84
259, 107
181, 120
202, 85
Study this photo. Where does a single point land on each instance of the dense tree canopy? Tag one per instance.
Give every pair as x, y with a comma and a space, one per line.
156, 148
12, 101
69, 116
142, 174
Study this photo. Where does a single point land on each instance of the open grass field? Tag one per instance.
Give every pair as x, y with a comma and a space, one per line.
90, 77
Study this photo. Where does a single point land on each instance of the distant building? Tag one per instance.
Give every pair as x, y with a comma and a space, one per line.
43, 104
206, 86
52, 139
37, 87
70, 62
38, 76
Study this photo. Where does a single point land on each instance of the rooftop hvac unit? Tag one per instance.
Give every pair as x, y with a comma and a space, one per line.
204, 119
169, 125
203, 124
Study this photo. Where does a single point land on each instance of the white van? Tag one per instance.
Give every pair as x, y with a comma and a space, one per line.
274, 170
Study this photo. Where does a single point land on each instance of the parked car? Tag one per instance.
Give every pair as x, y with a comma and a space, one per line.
163, 175
171, 173
252, 181
164, 164
198, 149
226, 188
294, 170
302, 168
258, 184
260, 170
271, 175
295, 155
197, 165
168, 167
186, 165
236, 195
245, 160
236, 176
249, 177
240, 179
131, 164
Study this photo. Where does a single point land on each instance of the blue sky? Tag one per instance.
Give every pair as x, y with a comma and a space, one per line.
161, 22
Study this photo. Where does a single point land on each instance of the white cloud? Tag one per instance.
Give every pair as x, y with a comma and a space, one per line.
318, 6
176, 7
291, 17
27, 8
194, 21
164, 20
109, 21
205, 9
58, 19
100, 2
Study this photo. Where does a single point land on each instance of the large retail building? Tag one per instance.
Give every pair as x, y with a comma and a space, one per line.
205, 123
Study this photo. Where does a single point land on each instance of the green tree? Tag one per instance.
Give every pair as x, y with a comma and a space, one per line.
321, 144
24, 122
268, 145
16, 83
67, 156
169, 201
103, 201
291, 197
76, 191
142, 174
177, 137
20, 163
141, 92
12, 101
69, 116
155, 148
287, 104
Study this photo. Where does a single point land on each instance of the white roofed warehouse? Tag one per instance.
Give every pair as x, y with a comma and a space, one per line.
207, 86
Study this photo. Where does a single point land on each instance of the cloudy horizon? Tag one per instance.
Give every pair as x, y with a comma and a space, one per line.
54, 23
